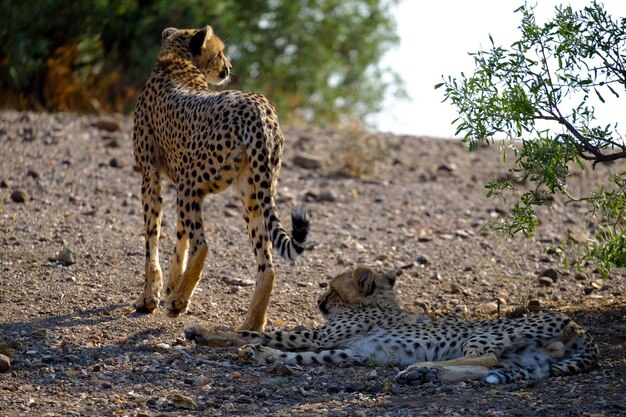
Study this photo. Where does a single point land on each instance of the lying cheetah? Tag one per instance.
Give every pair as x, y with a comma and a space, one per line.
204, 141
366, 325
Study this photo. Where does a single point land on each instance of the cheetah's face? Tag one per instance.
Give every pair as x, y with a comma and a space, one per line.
354, 289
202, 47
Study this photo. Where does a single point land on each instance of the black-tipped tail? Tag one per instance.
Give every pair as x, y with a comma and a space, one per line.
299, 229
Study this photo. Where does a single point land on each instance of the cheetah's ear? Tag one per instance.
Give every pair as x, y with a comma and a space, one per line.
167, 32
365, 279
197, 41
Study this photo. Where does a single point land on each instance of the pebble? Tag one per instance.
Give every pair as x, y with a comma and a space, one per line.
284, 370
460, 309
33, 174
116, 163
307, 161
545, 281
455, 289
183, 401
201, 381
451, 167
549, 273
5, 363
327, 196
422, 260
236, 282
236, 376
597, 284
65, 257
106, 124
489, 307
421, 304
581, 276
533, 306
19, 196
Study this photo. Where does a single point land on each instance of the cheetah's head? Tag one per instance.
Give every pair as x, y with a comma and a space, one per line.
357, 289
202, 47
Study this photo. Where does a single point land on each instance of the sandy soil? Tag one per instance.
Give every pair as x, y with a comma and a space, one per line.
71, 263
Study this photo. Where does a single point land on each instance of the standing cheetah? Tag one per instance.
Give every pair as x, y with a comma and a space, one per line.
366, 325
204, 141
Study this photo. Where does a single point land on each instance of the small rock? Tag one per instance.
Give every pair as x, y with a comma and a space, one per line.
421, 304
460, 309
182, 401
4, 184
549, 273
455, 289
65, 257
451, 167
122, 339
588, 290
229, 213
490, 307
533, 306
116, 163
236, 376
236, 282
327, 197
581, 276
436, 276
5, 363
597, 284
201, 381
372, 375
284, 370
307, 161
106, 124
545, 281
19, 196
33, 174
422, 260
355, 387
112, 143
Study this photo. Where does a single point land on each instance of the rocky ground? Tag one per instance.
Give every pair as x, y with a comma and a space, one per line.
71, 263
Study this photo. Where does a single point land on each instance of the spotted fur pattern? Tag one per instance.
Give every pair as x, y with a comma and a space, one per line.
366, 325
205, 141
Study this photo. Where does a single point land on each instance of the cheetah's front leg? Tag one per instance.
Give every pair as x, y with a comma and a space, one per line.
460, 369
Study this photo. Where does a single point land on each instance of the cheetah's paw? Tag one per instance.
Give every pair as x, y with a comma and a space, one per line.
213, 338
146, 303
256, 354
176, 307
417, 375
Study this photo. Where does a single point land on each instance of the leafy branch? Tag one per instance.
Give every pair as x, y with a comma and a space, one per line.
539, 94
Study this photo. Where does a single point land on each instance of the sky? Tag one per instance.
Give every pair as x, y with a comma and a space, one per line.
435, 37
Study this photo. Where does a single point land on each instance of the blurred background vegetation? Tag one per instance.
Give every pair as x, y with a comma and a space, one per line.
317, 60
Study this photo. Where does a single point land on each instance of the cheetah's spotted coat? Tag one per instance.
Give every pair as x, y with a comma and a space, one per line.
205, 141
366, 325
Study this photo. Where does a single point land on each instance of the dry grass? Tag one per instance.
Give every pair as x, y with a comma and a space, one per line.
360, 152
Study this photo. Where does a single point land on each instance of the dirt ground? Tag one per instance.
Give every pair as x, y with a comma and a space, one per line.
71, 264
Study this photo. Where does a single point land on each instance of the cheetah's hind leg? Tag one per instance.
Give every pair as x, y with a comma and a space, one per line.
460, 369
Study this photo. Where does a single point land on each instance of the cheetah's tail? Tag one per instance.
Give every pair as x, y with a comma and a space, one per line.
290, 247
